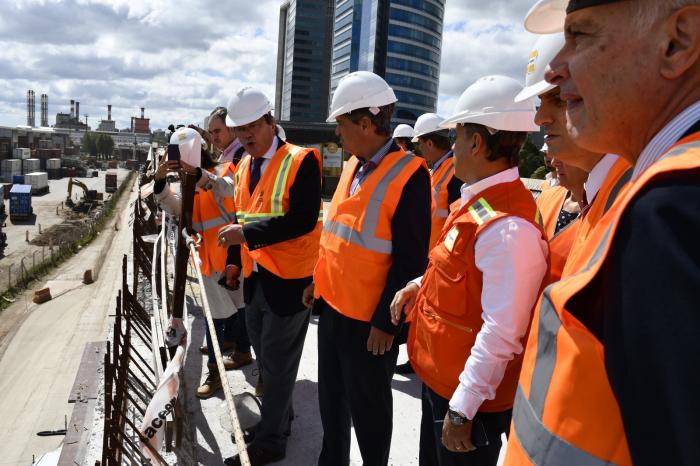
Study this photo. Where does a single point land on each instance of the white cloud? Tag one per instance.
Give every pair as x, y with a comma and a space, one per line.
181, 59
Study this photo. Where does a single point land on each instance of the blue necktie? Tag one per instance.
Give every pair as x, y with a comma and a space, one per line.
255, 173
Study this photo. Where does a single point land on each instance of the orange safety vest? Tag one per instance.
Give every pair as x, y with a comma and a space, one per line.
294, 258
614, 183
448, 313
565, 410
550, 203
355, 254
439, 180
209, 213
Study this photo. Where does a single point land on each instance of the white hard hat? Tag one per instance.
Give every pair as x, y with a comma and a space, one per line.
360, 89
546, 16
281, 134
403, 131
427, 123
490, 102
190, 143
248, 105
546, 48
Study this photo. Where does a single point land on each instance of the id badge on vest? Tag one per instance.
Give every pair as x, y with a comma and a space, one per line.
451, 238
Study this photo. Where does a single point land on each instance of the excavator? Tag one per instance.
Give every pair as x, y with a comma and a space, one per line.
90, 196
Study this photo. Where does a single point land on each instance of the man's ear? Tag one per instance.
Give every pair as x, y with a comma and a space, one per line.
681, 42
478, 144
365, 124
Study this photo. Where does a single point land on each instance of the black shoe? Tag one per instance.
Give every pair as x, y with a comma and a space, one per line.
249, 433
258, 457
405, 368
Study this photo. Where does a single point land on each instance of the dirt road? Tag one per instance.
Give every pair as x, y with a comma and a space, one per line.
41, 352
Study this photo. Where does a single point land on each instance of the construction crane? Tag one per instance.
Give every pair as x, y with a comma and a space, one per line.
90, 196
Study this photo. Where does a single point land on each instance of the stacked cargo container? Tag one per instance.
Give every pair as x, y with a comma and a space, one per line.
53, 167
30, 166
20, 202
39, 181
10, 168
22, 153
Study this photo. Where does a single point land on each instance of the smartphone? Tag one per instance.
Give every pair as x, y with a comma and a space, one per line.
173, 152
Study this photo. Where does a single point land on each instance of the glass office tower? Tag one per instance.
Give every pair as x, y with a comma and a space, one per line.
400, 40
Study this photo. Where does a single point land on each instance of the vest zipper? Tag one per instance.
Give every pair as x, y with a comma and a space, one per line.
434, 316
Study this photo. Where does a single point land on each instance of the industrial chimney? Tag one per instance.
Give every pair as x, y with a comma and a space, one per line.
77, 110
109, 112
142, 110
72, 108
44, 110
31, 108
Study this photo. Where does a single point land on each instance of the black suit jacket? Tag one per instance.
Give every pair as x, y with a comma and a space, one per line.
284, 295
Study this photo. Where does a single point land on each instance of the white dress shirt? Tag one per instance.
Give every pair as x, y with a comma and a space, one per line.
512, 256
230, 151
597, 176
666, 138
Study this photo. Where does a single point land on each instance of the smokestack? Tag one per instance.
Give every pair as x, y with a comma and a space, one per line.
142, 110
109, 112
31, 108
72, 108
77, 110
132, 124
44, 110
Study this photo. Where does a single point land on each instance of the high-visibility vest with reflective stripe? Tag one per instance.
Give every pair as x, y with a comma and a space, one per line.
439, 180
549, 204
447, 315
355, 254
294, 258
209, 213
565, 411
614, 183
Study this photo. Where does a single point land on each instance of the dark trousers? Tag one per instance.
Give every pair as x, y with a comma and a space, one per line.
219, 327
353, 384
278, 342
432, 451
237, 332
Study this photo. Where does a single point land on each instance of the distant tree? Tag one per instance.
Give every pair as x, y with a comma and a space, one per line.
530, 159
109, 146
105, 145
88, 143
540, 173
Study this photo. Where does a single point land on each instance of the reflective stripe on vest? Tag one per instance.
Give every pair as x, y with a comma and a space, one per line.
277, 198
226, 216
481, 211
366, 238
540, 444
441, 213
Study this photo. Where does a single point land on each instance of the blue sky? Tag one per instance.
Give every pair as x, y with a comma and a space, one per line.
181, 59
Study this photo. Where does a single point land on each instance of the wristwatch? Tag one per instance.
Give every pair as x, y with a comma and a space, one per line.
456, 418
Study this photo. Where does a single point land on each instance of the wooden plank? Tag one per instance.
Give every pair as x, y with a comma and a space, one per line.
86, 383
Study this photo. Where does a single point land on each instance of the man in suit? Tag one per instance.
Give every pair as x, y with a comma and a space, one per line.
629, 74
374, 240
278, 200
